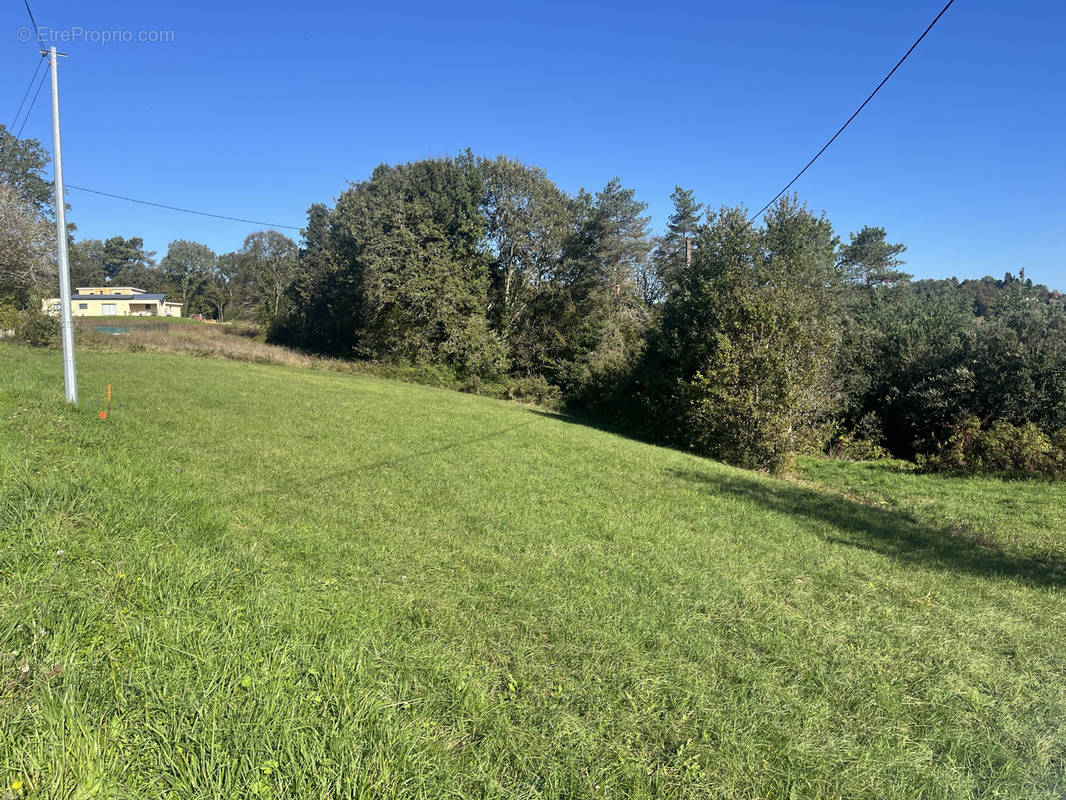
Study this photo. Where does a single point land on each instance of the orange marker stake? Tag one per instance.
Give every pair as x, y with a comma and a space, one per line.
103, 414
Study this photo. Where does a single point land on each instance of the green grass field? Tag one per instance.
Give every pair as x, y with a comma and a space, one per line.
258, 581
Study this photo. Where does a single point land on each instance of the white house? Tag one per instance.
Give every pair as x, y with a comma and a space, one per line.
115, 301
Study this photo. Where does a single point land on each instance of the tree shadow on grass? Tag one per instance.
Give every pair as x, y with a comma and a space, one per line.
890, 533
392, 461
588, 422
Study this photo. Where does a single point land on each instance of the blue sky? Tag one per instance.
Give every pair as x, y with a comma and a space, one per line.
259, 110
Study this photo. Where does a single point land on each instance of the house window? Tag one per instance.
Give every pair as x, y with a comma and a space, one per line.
109, 309
83, 306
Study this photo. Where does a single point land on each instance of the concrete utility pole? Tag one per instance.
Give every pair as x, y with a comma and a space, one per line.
66, 314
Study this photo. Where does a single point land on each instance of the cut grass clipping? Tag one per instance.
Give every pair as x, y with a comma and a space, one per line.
270, 582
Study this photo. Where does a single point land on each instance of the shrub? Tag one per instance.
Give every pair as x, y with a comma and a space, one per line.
37, 329
534, 389
849, 446
1002, 448
9, 320
863, 442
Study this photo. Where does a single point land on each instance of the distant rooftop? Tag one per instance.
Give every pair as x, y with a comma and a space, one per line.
108, 290
113, 296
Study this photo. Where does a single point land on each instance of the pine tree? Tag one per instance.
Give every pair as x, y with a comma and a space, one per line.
673, 250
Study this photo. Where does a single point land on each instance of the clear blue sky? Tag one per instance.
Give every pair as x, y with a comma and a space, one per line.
258, 110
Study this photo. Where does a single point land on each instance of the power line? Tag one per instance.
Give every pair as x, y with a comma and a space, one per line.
109, 194
183, 210
32, 103
18, 136
33, 77
36, 30
860, 108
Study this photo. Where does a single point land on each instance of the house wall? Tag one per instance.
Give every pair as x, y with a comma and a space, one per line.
90, 301
94, 307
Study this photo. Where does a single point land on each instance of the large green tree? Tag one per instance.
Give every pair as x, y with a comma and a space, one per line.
124, 254
603, 316
527, 225
87, 261
27, 268
673, 250
924, 362
22, 164
740, 367
189, 266
407, 277
315, 316
868, 259
268, 264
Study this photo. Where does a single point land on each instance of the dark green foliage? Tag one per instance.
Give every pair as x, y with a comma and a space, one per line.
748, 344
22, 164
1013, 450
37, 329
527, 225
1019, 362
483, 265
87, 264
674, 249
311, 318
905, 358
602, 318
402, 276
922, 361
740, 365
764, 393
870, 261
121, 254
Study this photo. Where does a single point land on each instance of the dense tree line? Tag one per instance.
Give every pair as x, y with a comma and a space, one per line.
246, 284
747, 342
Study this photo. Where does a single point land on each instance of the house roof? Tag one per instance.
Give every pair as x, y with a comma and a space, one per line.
108, 297
105, 289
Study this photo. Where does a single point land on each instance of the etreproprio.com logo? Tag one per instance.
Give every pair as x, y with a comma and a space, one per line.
50, 36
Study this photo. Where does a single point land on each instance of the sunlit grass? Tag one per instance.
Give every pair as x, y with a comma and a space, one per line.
263, 581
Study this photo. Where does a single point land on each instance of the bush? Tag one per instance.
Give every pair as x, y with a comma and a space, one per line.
864, 442
534, 389
849, 446
37, 329
1003, 449
9, 320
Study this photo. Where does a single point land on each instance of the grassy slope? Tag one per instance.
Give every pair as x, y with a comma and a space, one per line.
284, 583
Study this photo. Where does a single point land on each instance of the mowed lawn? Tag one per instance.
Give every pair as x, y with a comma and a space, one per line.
268, 582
